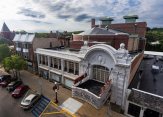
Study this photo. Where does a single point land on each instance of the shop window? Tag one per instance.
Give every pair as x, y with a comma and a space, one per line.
134, 110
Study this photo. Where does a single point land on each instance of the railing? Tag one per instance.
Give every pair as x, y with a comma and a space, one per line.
89, 97
80, 78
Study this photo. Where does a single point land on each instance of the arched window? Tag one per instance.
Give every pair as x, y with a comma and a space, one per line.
100, 73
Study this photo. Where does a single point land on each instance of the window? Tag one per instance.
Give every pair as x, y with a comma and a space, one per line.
51, 45
39, 59
25, 46
65, 65
43, 60
76, 68
59, 62
100, 73
55, 63
46, 60
51, 62
134, 110
71, 67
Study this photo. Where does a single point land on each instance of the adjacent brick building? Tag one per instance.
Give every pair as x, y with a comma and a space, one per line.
25, 45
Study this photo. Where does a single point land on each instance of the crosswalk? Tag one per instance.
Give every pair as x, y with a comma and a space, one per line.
40, 106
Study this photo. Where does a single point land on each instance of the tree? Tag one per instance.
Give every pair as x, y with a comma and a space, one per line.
152, 35
4, 52
14, 63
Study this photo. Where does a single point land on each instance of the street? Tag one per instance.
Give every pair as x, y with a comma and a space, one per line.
10, 107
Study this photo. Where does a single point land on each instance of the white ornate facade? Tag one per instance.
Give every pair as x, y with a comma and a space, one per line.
116, 64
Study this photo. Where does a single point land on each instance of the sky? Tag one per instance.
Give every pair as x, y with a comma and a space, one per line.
73, 15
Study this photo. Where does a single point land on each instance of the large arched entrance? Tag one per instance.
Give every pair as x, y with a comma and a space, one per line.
97, 65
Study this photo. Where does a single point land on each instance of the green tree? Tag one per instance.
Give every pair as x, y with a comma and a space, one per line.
14, 63
4, 52
152, 35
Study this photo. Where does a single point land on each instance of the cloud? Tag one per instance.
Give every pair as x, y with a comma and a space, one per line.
82, 17
63, 16
31, 13
75, 14
38, 22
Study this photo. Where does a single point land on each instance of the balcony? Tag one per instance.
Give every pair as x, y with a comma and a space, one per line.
18, 49
25, 50
91, 91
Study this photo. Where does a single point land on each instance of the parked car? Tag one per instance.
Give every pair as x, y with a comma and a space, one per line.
4, 77
20, 91
5, 83
30, 100
13, 85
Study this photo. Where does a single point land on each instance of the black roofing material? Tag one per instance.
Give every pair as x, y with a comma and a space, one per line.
92, 86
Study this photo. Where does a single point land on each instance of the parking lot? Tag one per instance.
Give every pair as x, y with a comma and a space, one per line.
10, 107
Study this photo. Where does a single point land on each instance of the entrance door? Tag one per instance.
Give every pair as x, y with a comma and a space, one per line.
150, 113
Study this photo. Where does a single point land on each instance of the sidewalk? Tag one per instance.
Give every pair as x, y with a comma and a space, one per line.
86, 109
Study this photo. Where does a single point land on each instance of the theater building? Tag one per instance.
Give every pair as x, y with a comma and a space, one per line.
97, 70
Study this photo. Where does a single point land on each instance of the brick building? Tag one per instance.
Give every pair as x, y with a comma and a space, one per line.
26, 43
131, 33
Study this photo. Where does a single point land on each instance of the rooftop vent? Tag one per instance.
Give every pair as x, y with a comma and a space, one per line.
130, 18
106, 21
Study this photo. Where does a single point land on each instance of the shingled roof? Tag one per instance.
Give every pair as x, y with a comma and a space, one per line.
5, 28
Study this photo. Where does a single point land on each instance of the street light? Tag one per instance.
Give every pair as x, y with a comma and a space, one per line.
56, 88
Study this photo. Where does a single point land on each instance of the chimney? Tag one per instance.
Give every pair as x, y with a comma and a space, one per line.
130, 18
106, 21
92, 23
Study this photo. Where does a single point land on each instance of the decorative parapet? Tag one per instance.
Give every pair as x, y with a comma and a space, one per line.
122, 55
84, 48
89, 97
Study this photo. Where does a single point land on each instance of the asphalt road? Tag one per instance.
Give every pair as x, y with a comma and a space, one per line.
10, 107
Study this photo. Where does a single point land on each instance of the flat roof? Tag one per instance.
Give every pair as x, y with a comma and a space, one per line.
150, 81
153, 53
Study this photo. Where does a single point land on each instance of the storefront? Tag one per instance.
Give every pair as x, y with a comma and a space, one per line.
68, 82
54, 77
44, 73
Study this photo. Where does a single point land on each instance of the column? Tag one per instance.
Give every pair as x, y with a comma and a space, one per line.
49, 62
126, 107
62, 71
38, 59
141, 112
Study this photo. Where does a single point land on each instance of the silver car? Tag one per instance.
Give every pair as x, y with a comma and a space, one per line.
29, 101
